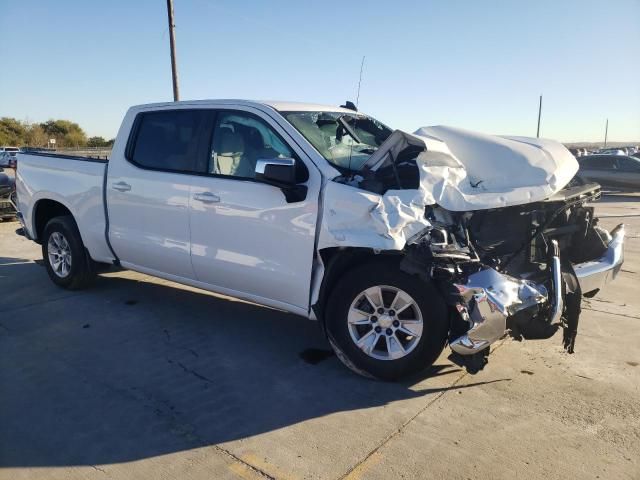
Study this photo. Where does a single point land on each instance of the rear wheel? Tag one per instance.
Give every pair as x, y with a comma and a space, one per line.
384, 323
67, 262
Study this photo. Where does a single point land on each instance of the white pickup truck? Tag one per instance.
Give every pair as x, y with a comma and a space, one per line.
398, 243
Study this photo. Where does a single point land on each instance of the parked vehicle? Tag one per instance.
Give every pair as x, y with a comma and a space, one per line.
397, 243
611, 171
576, 152
7, 189
610, 151
8, 159
9, 149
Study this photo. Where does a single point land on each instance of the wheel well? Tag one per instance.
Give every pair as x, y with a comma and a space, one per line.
45, 210
336, 262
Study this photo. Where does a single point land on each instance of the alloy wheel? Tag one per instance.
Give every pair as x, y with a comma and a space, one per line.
385, 322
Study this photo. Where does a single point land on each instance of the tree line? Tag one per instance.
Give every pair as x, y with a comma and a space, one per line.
68, 134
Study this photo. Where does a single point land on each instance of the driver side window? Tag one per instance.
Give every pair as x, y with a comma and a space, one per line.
239, 141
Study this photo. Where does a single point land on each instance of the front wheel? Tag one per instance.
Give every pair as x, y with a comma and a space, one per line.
68, 264
384, 323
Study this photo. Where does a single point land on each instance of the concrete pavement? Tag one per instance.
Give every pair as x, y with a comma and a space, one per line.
142, 378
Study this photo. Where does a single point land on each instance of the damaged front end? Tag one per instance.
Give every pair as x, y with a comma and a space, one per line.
520, 270
496, 223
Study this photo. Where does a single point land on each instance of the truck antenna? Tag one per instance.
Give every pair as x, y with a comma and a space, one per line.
360, 82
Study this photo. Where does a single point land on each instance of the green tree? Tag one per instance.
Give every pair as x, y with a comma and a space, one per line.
96, 142
66, 133
36, 136
12, 131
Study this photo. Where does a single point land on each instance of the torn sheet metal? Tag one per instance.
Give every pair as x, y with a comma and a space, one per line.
356, 218
462, 170
459, 170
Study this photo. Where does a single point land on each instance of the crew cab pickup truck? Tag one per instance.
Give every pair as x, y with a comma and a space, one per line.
397, 243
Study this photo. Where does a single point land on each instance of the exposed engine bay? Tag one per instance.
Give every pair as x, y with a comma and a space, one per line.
506, 243
510, 269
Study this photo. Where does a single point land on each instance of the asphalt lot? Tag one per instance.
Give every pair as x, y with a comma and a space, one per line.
141, 378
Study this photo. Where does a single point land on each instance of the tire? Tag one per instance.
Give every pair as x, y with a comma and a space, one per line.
385, 361
61, 239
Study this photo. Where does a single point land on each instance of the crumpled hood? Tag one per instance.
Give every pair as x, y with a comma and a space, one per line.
462, 170
459, 171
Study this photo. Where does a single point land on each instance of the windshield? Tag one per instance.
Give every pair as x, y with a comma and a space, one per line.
346, 140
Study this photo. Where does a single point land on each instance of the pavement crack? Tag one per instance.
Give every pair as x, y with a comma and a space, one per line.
190, 371
399, 430
627, 315
177, 347
255, 469
95, 467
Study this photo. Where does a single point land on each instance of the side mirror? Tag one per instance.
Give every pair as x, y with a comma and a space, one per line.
280, 172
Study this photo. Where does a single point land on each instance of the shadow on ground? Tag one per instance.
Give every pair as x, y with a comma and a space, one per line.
132, 369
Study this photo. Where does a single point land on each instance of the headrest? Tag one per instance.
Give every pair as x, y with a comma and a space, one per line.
228, 142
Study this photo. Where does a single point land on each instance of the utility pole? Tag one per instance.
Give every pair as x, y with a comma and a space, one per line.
539, 117
172, 42
606, 131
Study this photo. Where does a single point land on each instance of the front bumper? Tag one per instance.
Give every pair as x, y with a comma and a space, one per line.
490, 297
596, 274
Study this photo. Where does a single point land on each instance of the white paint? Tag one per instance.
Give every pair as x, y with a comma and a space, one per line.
463, 170
355, 218
75, 184
254, 245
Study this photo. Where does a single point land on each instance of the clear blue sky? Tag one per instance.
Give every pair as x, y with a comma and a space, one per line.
474, 64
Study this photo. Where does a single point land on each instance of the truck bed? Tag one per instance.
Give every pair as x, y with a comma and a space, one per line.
77, 183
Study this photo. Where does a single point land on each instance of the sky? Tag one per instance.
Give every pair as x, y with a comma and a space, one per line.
473, 64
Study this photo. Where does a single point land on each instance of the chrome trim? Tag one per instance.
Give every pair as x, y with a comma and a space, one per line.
261, 163
490, 297
13, 200
596, 274
556, 279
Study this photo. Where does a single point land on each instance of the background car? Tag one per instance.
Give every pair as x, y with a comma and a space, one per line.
610, 151
611, 171
8, 159
9, 149
7, 188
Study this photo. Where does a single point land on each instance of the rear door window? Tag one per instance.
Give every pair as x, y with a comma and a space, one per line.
170, 140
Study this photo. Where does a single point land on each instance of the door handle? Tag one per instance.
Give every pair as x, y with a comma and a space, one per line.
121, 186
206, 197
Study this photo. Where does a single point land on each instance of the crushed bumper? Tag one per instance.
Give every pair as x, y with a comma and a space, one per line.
595, 274
490, 297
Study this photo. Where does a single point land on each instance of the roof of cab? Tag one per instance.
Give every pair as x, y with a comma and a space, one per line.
281, 106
